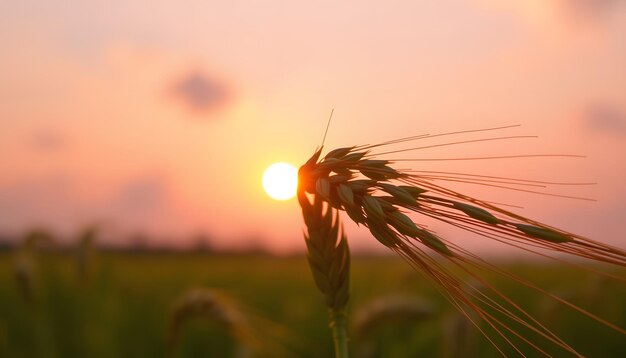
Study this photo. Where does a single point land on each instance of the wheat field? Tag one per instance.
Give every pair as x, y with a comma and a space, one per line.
122, 307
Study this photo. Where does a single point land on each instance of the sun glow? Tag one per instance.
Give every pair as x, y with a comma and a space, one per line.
280, 181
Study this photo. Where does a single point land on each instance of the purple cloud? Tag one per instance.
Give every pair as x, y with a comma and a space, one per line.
604, 118
47, 140
593, 10
201, 93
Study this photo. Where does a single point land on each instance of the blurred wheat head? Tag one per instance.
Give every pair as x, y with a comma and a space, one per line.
252, 334
217, 307
25, 261
387, 310
376, 195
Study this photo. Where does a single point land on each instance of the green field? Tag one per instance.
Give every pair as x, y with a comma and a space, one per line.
121, 307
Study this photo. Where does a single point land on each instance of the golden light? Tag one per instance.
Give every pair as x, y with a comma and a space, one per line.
280, 181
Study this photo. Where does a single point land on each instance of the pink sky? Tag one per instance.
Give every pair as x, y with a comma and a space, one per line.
157, 118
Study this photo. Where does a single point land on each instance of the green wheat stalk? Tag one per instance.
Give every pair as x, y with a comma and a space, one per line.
85, 251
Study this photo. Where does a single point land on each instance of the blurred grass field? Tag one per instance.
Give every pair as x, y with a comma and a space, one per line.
121, 307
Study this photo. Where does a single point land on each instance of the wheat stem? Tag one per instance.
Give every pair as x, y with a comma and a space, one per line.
338, 319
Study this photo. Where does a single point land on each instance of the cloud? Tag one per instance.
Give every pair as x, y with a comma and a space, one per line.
140, 198
604, 118
201, 93
560, 14
47, 141
589, 10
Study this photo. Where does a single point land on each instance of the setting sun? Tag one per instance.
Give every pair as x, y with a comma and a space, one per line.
280, 181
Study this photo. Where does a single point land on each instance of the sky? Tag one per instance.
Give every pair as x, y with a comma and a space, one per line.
157, 118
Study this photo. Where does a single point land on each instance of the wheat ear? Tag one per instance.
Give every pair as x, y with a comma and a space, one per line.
329, 259
26, 261
216, 307
383, 311
376, 195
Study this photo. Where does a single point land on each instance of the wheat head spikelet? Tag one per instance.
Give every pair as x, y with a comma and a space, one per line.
379, 197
